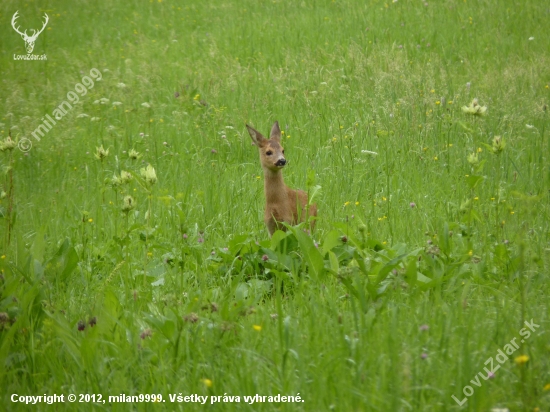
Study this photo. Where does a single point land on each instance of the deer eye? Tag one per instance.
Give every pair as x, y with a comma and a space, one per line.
283, 151
269, 153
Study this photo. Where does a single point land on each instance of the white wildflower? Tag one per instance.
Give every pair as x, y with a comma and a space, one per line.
475, 109
149, 174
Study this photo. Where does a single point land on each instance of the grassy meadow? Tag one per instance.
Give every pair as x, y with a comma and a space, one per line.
133, 254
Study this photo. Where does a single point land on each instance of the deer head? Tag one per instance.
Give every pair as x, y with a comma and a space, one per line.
29, 40
272, 154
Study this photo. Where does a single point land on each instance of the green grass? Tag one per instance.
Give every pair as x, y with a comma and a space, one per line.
182, 298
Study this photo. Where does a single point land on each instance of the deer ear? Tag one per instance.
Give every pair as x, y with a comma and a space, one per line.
275, 132
258, 139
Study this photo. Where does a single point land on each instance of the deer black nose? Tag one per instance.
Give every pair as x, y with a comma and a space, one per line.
281, 162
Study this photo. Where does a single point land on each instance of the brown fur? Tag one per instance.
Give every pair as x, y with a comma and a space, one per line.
283, 204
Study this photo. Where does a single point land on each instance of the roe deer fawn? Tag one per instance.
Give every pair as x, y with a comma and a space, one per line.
283, 204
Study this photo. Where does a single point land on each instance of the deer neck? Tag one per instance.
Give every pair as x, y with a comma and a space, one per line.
274, 185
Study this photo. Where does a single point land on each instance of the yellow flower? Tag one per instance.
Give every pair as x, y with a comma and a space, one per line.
435, 157
438, 102
356, 203
197, 97
3, 257
346, 204
479, 150
470, 253
257, 328
521, 360
90, 220
207, 382
547, 387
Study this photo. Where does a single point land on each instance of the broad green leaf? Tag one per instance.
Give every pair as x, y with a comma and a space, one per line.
410, 273
331, 240
360, 262
334, 265
71, 262
235, 244
311, 253
38, 245
392, 264
313, 192
473, 180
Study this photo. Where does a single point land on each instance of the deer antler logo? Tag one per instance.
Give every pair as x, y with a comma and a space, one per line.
29, 40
